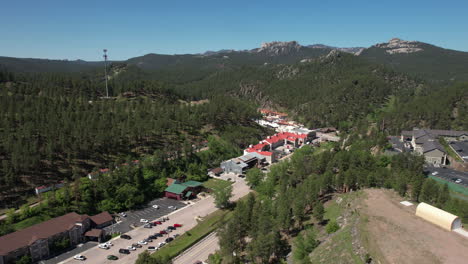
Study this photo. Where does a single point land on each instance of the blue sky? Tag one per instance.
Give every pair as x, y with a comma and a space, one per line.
81, 29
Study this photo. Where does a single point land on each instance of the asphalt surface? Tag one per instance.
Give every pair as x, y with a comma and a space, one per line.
148, 213
200, 251
448, 174
69, 254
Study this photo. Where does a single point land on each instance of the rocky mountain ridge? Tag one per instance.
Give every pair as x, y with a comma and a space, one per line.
396, 45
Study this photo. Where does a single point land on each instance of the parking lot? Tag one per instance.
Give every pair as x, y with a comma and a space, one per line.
125, 224
133, 217
448, 174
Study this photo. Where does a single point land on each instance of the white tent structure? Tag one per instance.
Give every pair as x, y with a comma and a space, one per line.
438, 217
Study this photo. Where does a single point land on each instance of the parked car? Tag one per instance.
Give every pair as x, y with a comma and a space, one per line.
124, 251
151, 248
148, 240
148, 225
103, 246
123, 214
79, 257
131, 248
136, 245
171, 207
152, 237
168, 230
162, 232
142, 242
458, 181
175, 235
108, 243
157, 223
171, 228
177, 225
166, 218
435, 173
143, 220
155, 206
169, 239
158, 235
241, 176
112, 257
125, 237
161, 244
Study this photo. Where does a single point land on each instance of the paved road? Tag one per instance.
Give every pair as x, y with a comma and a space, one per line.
199, 251
448, 174
185, 216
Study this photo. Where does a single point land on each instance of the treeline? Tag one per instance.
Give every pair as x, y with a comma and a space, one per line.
54, 124
293, 190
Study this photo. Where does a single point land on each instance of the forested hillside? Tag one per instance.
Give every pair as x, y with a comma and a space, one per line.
341, 90
54, 126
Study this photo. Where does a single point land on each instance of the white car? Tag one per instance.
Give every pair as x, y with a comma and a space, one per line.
79, 257
142, 242
103, 246
161, 244
458, 181
171, 207
155, 206
108, 243
131, 248
143, 220
435, 173
123, 214
152, 248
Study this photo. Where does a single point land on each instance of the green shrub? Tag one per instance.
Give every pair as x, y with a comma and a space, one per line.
332, 227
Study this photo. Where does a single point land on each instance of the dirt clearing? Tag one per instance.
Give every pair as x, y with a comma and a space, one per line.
401, 237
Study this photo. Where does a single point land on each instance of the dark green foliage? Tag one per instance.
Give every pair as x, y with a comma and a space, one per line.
319, 211
433, 63
222, 196
332, 226
145, 258
26, 259
253, 177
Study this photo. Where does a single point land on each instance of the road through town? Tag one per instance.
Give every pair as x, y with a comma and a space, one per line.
185, 216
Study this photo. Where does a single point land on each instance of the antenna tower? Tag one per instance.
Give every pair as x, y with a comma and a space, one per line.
105, 72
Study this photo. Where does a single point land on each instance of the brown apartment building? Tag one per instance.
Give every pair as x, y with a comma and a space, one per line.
37, 240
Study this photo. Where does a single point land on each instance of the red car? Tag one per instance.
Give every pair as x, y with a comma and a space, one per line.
177, 225
157, 223
162, 232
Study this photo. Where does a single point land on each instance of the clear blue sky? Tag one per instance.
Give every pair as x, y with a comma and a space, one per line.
63, 29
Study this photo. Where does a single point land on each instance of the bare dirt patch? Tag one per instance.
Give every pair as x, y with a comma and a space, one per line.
402, 237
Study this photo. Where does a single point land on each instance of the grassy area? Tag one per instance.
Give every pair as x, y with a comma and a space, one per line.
452, 186
30, 221
324, 146
338, 250
186, 240
338, 247
216, 184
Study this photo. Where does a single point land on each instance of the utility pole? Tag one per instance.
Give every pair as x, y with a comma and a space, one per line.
105, 71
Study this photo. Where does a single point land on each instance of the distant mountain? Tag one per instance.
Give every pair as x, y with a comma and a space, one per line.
420, 59
353, 50
45, 65
416, 58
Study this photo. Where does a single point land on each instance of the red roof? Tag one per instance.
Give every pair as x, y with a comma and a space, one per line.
101, 218
104, 170
29, 235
